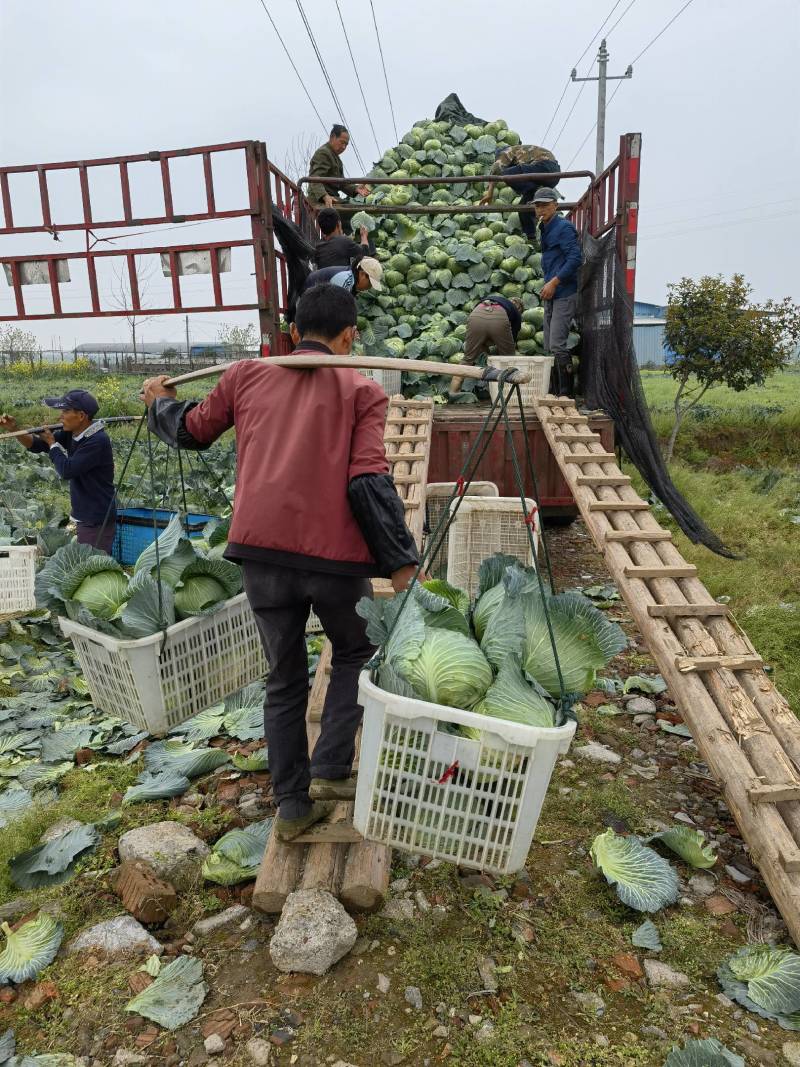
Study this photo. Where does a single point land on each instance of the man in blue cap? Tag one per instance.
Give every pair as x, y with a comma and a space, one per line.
81, 454
561, 260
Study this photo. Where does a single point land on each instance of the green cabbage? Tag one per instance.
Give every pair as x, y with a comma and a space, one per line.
103, 593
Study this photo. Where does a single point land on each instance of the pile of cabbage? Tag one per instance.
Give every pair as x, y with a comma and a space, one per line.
495, 656
438, 267
184, 579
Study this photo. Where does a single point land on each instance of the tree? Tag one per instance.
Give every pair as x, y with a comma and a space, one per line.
18, 344
720, 338
240, 339
297, 157
121, 298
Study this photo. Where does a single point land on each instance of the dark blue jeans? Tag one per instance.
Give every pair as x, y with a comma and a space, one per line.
527, 190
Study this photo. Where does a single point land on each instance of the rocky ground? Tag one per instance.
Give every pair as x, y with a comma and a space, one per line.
535, 969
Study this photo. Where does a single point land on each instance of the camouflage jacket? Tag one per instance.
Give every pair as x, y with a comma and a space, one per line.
326, 164
521, 153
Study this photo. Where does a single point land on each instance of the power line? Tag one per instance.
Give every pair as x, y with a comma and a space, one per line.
580, 57
358, 79
569, 113
718, 226
294, 68
327, 78
385, 75
649, 45
622, 16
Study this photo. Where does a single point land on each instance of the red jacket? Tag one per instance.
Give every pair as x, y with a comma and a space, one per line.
301, 436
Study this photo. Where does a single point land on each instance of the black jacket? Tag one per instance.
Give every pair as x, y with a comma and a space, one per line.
339, 251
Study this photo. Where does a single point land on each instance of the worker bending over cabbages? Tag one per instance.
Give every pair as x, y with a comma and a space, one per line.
315, 515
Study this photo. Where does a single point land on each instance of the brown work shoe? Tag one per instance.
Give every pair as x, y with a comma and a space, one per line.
289, 829
333, 788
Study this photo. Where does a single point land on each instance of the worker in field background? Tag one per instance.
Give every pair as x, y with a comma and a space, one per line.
315, 515
495, 322
561, 260
363, 272
335, 249
82, 455
326, 163
524, 159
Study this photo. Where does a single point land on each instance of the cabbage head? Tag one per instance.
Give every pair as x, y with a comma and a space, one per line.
361, 218
104, 592
205, 584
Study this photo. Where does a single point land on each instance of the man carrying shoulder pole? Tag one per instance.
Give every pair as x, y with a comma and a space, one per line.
315, 515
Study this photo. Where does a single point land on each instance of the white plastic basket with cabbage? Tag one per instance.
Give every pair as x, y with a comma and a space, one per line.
468, 710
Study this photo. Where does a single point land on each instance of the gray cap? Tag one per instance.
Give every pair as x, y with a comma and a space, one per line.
543, 195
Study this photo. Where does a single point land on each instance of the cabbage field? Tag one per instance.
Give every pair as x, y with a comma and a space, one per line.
438, 267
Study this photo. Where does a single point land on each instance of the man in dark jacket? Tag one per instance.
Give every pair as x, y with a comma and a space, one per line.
315, 516
336, 250
364, 272
494, 322
81, 454
325, 163
561, 260
524, 159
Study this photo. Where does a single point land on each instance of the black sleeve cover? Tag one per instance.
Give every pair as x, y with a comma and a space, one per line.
378, 510
166, 419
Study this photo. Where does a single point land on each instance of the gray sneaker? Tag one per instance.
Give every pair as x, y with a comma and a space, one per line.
333, 788
289, 829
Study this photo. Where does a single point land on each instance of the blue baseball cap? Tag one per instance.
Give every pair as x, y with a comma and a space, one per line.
75, 400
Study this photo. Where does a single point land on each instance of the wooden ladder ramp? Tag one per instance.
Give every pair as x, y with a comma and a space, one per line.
742, 725
333, 856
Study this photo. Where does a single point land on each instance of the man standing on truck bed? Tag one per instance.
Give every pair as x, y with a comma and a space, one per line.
561, 259
82, 455
315, 515
336, 250
524, 159
495, 321
325, 163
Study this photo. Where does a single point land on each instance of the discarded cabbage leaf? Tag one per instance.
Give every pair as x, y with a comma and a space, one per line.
738, 990
29, 949
54, 862
159, 758
256, 761
237, 855
646, 936
772, 976
689, 844
653, 684
707, 1052
643, 879
156, 787
175, 997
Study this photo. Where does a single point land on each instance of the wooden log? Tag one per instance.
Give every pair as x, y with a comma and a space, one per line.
588, 457
677, 611
365, 882
618, 505
602, 479
324, 863
761, 793
687, 570
278, 875
637, 535
711, 663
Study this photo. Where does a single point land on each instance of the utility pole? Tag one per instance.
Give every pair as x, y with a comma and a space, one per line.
601, 79
188, 350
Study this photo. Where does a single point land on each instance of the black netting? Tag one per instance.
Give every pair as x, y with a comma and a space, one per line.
452, 110
611, 381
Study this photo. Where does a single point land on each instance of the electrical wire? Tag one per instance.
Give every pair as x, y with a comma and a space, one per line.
622, 16
294, 68
358, 79
385, 75
649, 45
327, 77
574, 105
717, 226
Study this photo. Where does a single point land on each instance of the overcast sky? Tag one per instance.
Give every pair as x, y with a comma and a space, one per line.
715, 99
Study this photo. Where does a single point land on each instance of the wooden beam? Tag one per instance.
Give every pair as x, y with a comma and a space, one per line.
685, 664
603, 479
327, 833
637, 535
575, 438
618, 505
790, 861
572, 420
777, 793
589, 457
685, 611
687, 570
404, 439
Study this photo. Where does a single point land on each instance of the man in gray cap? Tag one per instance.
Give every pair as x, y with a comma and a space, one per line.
81, 454
561, 260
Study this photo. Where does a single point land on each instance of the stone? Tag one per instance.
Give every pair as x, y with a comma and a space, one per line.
661, 976
116, 938
399, 885
641, 706
791, 1053
214, 1045
172, 850
313, 933
234, 914
736, 875
654, 1031
644, 722
591, 1002
485, 1032
597, 753
12, 909
146, 896
681, 816
259, 1052
719, 905
398, 908
422, 901
628, 964
702, 885
127, 1058
413, 997
383, 983
58, 829
41, 994
282, 1037
487, 969
253, 807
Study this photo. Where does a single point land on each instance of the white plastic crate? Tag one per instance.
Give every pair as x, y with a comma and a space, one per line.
433, 793
314, 626
483, 526
437, 495
159, 681
538, 367
391, 381
17, 574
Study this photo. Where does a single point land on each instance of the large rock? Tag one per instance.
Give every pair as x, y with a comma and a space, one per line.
659, 975
236, 913
122, 936
313, 933
597, 753
172, 850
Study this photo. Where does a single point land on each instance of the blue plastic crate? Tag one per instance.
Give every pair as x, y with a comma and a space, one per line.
135, 530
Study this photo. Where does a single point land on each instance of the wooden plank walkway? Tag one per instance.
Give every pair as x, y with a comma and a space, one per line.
743, 727
334, 857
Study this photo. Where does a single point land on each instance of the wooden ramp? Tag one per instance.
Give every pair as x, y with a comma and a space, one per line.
333, 856
743, 727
